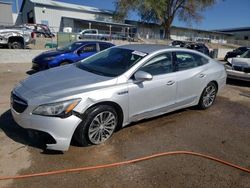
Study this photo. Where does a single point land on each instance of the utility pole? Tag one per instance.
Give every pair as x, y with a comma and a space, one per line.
17, 7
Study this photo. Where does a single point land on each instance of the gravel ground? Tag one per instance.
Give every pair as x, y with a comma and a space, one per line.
222, 131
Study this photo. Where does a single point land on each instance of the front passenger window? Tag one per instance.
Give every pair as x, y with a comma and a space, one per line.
88, 48
158, 65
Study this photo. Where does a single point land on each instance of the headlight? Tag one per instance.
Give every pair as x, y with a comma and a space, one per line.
59, 109
49, 58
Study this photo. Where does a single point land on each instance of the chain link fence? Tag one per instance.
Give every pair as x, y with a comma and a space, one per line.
125, 36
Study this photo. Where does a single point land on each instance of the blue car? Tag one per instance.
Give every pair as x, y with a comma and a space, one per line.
71, 53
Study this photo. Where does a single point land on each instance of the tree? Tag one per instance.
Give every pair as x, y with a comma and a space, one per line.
163, 12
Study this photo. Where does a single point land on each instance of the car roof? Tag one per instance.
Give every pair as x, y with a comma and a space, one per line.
146, 48
244, 47
92, 41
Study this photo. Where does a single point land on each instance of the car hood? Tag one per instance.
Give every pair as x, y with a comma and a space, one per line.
51, 53
245, 62
61, 82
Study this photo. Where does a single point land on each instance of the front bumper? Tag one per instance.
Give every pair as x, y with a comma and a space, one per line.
38, 66
238, 75
61, 129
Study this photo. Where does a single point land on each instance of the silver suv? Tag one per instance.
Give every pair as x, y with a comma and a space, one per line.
123, 84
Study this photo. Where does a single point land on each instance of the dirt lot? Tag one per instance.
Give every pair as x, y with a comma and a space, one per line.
222, 131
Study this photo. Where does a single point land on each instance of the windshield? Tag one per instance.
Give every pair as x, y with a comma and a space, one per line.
246, 54
111, 62
70, 47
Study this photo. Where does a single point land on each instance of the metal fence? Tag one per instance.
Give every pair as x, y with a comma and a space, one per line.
65, 38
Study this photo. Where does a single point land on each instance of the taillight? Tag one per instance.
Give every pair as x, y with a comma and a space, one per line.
32, 34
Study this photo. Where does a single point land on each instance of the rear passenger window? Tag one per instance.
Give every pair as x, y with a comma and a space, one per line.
104, 46
160, 64
187, 60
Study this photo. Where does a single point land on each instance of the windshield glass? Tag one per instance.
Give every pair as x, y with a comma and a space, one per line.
246, 54
111, 62
70, 47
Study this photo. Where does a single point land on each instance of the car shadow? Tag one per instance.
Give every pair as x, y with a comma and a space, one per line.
238, 83
17, 133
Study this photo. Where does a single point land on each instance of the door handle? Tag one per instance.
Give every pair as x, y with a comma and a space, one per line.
169, 83
202, 75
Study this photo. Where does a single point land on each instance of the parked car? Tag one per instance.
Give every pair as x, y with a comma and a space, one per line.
93, 34
90, 99
71, 53
178, 43
198, 47
16, 37
123, 36
239, 67
234, 53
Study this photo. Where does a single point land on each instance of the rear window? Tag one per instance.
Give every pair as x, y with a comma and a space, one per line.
104, 46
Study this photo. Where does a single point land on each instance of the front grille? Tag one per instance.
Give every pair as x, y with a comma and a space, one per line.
242, 69
238, 68
18, 104
42, 137
247, 69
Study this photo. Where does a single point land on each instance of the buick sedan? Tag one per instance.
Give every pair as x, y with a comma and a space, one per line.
89, 100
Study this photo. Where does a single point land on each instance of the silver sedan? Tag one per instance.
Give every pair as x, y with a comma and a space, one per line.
89, 100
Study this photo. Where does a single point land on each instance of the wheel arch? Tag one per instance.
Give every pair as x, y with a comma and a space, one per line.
212, 81
16, 39
116, 106
65, 60
216, 84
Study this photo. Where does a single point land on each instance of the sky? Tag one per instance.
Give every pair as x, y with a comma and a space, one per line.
224, 14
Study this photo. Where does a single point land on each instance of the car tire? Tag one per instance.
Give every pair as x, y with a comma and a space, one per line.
64, 63
208, 96
93, 130
15, 45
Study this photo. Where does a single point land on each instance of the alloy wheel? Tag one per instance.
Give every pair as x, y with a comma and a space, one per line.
102, 127
209, 96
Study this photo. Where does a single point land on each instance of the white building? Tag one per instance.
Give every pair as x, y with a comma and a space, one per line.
58, 15
6, 13
155, 31
240, 33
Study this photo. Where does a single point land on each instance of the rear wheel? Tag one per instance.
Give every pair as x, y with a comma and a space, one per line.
208, 96
16, 45
98, 125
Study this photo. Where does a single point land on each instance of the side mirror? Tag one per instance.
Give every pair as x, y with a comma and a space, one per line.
78, 52
141, 76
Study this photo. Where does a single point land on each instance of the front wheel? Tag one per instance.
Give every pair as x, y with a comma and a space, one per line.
208, 96
98, 126
64, 63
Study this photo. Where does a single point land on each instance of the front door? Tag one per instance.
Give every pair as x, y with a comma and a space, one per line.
86, 51
154, 97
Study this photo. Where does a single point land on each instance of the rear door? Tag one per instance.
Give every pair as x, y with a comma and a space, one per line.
104, 46
191, 73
